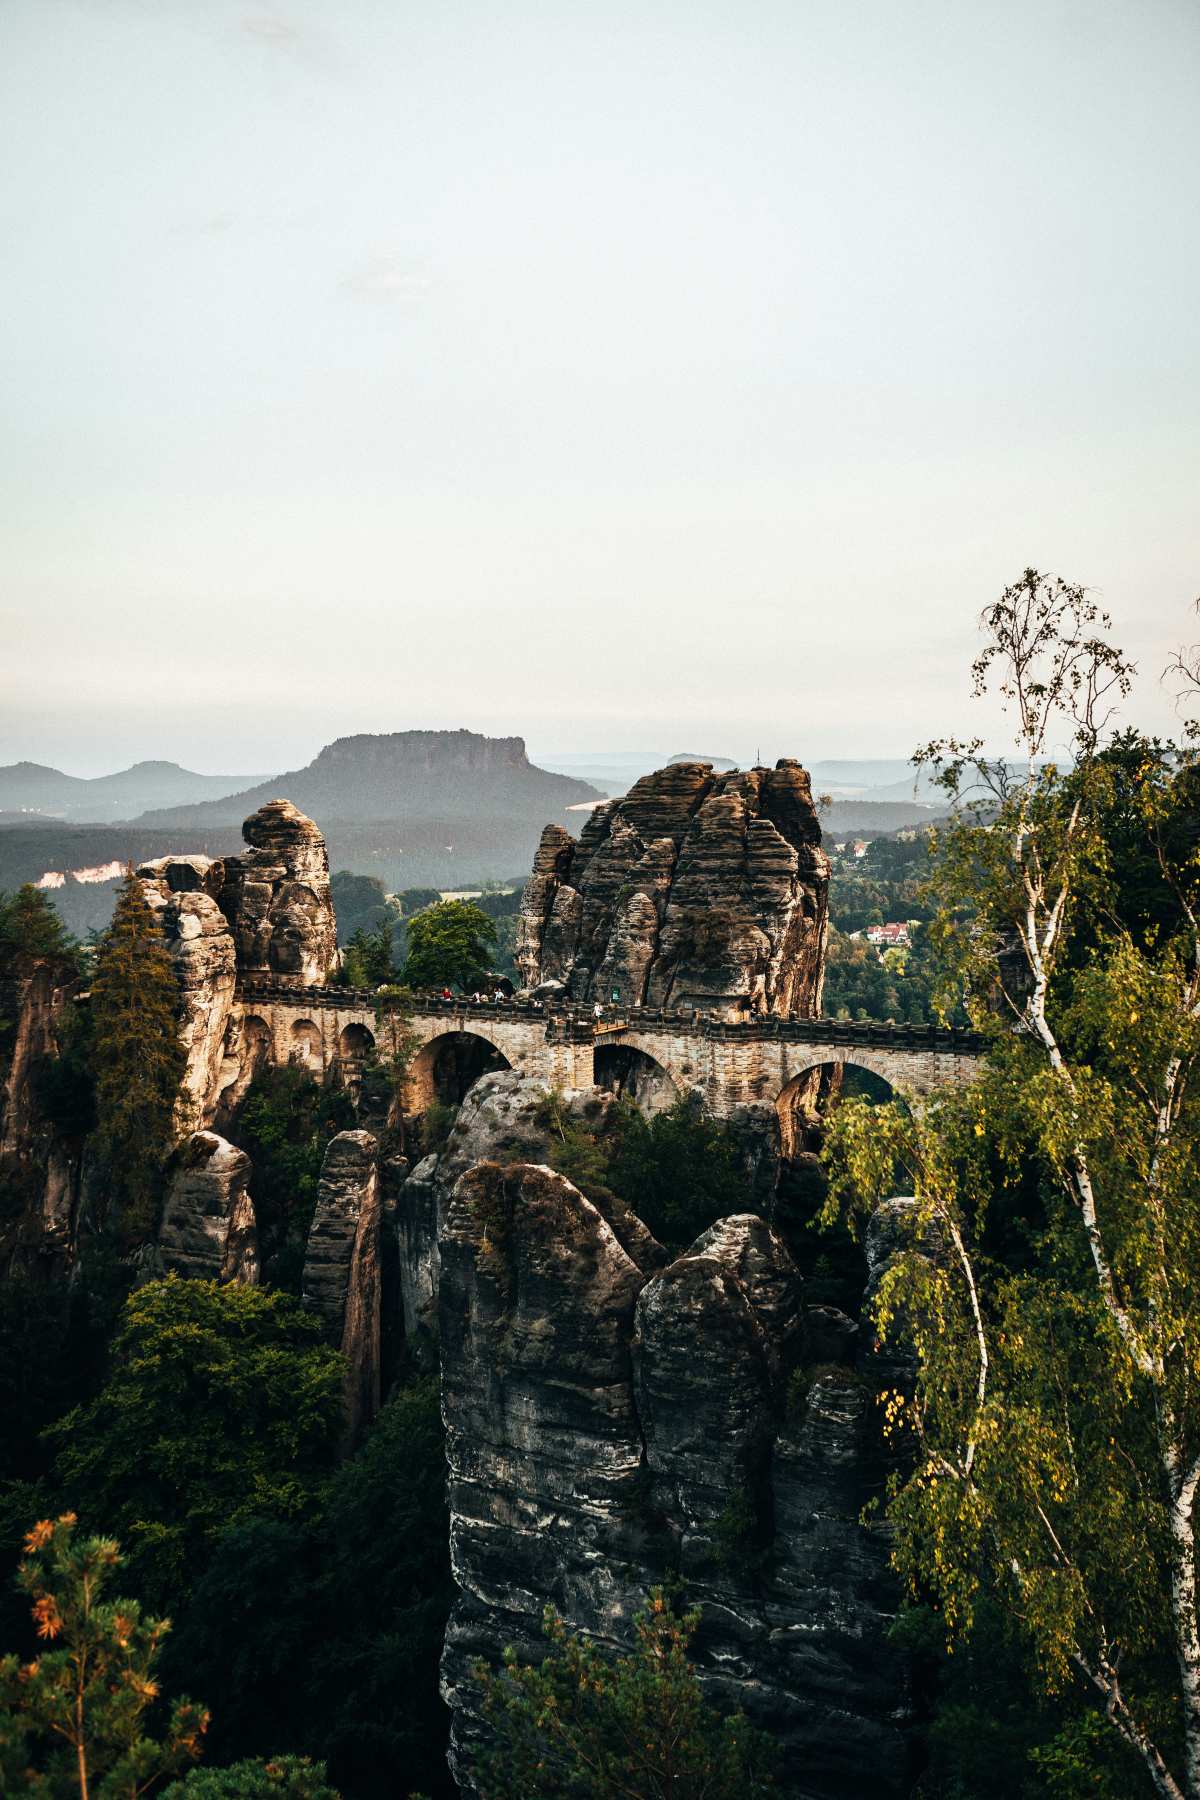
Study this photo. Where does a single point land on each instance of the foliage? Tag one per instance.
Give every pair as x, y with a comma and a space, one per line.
677, 1170
502, 907
364, 1585
73, 1720
990, 1738
31, 930
437, 1122
635, 1727
1052, 1290
862, 984
575, 1152
368, 959
449, 945
221, 1404
285, 1126
416, 899
64, 1085
884, 886
137, 1060
280, 1778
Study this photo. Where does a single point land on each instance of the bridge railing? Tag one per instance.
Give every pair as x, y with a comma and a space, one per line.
582, 1019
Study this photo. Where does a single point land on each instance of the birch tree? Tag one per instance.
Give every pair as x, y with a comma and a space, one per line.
1051, 1293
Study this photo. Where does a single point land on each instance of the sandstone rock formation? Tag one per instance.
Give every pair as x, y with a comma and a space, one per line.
267, 913
183, 892
610, 1424
696, 889
208, 1229
542, 1441
342, 1269
276, 897
502, 1120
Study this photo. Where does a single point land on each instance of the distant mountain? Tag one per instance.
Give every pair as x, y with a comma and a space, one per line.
402, 776
410, 806
28, 787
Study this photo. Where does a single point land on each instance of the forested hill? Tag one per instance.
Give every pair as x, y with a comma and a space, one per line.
404, 776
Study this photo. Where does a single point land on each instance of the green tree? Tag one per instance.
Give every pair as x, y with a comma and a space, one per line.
74, 1719
276, 1778
449, 945
678, 1170
633, 1727
365, 1585
354, 961
378, 955
137, 1059
221, 1404
30, 929
1053, 1427
286, 1125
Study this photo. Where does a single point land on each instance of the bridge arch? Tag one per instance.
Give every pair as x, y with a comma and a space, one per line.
355, 1043
814, 1088
626, 1070
304, 1045
255, 1035
447, 1066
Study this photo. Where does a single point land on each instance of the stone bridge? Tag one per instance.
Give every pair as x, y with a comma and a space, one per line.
653, 1055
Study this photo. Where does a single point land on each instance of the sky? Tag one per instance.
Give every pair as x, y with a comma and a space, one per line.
682, 375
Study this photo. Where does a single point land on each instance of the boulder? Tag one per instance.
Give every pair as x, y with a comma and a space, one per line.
502, 1120
208, 1229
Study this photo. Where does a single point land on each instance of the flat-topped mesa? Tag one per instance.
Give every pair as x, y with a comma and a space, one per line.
697, 889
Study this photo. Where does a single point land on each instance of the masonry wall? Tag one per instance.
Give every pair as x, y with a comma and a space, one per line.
732, 1066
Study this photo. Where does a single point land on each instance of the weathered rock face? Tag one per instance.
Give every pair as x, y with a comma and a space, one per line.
34, 1162
611, 1424
183, 892
498, 1122
208, 1229
267, 912
276, 897
342, 1269
542, 1445
696, 889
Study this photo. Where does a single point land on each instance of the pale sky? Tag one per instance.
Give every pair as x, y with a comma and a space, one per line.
673, 375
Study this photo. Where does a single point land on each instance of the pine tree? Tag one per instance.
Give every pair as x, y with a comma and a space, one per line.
73, 1721
378, 954
136, 1056
31, 928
